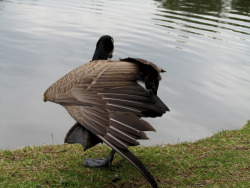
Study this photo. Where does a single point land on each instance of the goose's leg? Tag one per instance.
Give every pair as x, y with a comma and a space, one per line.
78, 134
100, 162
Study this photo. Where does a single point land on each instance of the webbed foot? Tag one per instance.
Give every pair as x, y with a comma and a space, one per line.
100, 162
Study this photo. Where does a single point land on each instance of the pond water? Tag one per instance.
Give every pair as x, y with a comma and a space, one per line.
203, 45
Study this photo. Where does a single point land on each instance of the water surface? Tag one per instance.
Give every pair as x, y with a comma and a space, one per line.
203, 45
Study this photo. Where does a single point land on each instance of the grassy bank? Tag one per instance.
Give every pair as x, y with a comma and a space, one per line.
220, 160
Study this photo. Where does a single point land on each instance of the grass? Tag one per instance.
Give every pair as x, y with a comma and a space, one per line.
219, 161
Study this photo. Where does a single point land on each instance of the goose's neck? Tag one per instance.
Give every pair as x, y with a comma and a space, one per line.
100, 54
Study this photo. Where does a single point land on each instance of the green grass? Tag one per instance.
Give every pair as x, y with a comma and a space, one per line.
222, 160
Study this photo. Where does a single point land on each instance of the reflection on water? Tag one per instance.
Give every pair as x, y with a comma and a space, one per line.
203, 45
207, 15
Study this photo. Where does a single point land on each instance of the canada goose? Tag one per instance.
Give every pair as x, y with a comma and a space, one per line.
107, 102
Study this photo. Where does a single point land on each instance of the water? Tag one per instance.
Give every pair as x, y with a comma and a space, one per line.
204, 47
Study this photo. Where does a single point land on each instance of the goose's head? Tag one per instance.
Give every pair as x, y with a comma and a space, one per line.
104, 48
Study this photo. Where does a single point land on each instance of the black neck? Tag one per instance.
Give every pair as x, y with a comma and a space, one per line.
100, 54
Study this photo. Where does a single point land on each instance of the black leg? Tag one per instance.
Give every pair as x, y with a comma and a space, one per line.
100, 162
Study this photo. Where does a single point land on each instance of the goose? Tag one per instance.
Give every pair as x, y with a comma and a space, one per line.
107, 101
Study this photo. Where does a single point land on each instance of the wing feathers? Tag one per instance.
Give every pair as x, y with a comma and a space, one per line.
128, 97
126, 128
131, 90
132, 120
114, 107
92, 126
123, 135
112, 101
118, 142
144, 106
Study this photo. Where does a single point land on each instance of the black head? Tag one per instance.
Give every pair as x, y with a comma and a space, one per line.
104, 48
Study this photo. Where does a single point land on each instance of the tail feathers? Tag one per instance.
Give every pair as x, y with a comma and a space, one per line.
133, 160
79, 135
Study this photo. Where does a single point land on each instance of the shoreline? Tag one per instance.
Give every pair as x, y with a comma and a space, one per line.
219, 160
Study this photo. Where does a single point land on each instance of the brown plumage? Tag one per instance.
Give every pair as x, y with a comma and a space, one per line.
105, 98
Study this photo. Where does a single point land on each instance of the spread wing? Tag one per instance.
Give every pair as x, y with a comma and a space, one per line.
105, 97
